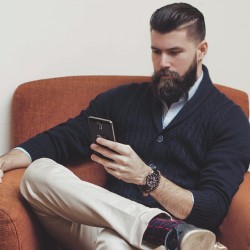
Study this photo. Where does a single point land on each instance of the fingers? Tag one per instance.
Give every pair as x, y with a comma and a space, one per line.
99, 160
124, 163
109, 166
103, 151
121, 149
1, 176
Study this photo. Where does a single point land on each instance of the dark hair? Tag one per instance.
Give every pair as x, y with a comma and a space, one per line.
177, 16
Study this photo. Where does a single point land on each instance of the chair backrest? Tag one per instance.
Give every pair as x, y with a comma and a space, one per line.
40, 105
237, 96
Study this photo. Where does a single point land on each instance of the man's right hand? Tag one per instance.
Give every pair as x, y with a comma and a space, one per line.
1, 176
12, 160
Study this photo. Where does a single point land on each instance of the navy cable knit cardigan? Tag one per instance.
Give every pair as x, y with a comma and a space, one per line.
205, 149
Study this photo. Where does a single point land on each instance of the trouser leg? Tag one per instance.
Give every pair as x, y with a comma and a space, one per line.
54, 191
109, 239
69, 235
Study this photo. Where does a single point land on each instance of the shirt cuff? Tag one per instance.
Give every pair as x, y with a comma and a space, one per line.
24, 151
192, 198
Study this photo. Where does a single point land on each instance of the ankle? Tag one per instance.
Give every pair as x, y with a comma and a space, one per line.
158, 228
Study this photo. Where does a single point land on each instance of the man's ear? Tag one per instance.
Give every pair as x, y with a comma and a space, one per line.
202, 50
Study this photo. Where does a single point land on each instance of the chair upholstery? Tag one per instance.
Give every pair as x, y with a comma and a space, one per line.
39, 105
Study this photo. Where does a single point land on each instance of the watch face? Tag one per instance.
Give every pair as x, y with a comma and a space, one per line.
152, 180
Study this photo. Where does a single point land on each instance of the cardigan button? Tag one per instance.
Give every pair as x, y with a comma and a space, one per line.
160, 138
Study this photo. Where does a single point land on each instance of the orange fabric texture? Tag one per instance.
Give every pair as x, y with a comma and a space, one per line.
41, 104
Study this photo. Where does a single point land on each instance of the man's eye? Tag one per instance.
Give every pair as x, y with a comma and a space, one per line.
174, 52
157, 52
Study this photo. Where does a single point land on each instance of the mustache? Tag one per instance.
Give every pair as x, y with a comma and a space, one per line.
157, 75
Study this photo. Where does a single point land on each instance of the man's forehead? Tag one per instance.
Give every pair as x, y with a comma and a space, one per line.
176, 38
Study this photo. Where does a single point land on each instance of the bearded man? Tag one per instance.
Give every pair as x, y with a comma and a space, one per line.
181, 152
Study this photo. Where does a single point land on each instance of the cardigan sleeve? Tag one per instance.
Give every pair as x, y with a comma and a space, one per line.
70, 140
226, 161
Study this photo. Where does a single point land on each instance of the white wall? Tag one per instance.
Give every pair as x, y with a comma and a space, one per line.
50, 38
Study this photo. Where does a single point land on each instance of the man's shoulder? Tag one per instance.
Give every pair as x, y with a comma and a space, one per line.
223, 109
220, 100
135, 86
123, 94
128, 90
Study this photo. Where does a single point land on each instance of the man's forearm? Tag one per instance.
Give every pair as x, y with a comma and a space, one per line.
128, 166
174, 199
14, 159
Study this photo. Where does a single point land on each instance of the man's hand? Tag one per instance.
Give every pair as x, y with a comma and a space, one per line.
12, 160
1, 176
125, 164
128, 166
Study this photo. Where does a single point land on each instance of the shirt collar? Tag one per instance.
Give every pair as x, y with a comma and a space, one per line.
191, 92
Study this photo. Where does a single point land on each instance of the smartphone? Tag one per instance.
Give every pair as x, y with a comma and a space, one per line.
100, 127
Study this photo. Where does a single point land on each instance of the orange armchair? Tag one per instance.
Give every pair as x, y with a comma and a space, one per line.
41, 104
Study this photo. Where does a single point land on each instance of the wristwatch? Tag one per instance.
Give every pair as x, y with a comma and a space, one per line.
152, 181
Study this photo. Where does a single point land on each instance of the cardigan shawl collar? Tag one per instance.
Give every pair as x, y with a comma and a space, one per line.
204, 91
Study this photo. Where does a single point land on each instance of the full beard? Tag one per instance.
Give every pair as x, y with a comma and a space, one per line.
172, 88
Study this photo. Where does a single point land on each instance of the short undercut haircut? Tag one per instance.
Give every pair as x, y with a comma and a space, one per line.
179, 16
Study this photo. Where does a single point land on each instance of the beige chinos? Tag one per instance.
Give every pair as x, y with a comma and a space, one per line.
81, 215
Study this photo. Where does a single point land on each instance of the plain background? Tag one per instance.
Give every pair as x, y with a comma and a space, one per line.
51, 38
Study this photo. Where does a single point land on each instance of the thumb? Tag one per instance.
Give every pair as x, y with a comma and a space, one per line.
1, 175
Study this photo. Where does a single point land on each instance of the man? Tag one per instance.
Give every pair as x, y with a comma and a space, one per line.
181, 152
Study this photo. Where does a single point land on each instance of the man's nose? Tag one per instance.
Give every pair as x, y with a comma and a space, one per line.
164, 61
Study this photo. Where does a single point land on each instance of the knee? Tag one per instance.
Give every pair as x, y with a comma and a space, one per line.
36, 175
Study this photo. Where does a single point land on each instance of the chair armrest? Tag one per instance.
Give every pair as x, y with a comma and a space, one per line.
19, 228
234, 232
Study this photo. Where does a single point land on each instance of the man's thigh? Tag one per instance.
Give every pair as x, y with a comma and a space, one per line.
64, 203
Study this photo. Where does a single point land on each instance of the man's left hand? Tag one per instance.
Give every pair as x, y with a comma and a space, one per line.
124, 163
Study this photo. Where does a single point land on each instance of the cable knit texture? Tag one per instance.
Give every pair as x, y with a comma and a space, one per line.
205, 149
